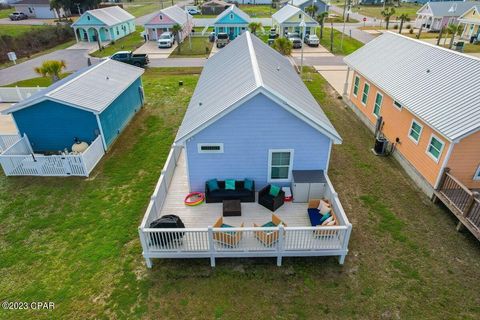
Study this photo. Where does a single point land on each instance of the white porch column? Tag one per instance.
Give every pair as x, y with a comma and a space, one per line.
345, 86
75, 31
87, 31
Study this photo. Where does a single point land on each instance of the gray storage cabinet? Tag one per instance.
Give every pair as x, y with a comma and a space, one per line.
308, 184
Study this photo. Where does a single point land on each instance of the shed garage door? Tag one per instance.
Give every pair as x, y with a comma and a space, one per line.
44, 13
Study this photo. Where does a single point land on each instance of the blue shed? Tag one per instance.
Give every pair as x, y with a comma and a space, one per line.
232, 21
98, 100
262, 128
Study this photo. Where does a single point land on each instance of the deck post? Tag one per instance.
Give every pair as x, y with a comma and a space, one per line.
211, 245
143, 242
149, 263
346, 239
280, 249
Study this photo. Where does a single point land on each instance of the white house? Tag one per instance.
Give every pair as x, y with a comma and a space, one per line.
435, 15
39, 9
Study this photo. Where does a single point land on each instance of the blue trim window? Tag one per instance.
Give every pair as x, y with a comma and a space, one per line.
378, 104
366, 89
356, 86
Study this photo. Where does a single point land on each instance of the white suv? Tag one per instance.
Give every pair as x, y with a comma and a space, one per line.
166, 40
312, 40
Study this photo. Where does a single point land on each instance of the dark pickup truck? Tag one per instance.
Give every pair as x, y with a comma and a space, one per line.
138, 60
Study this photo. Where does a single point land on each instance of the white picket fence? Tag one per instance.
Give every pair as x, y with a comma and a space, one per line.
204, 242
16, 94
20, 160
7, 140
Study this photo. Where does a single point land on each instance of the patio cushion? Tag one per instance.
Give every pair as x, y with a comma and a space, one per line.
274, 190
269, 224
325, 217
212, 184
229, 184
248, 184
315, 216
324, 207
327, 221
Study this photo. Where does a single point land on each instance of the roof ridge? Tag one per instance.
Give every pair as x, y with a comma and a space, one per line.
256, 68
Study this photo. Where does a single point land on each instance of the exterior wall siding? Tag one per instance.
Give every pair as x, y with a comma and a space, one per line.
397, 124
116, 116
51, 126
88, 20
248, 133
465, 160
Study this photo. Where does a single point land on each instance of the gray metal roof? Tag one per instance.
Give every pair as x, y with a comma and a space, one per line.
438, 85
448, 8
289, 11
255, 68
175, 13
110, 15
236, 10
93, 88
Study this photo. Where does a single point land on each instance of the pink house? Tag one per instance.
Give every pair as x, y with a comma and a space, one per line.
166, 19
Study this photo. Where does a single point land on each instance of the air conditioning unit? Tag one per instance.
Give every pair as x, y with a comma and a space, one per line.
380, 148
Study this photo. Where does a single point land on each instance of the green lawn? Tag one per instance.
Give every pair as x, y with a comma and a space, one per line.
374, 11
16, 30
201, 47
75, 241
349, 44
34, 82
258, 11
139, 10
4, 13
129, 43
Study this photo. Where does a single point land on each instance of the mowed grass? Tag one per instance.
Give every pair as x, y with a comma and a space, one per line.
34, 82
17, 30
130, 42
375, 11
258, 10
139, 10
75, 241
349, 44
4, 13
201, 47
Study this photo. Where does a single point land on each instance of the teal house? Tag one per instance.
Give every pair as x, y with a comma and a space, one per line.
232, 21
97, 101
107, 24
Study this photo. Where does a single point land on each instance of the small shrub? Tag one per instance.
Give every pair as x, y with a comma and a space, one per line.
411, 31
395, 26
409, 26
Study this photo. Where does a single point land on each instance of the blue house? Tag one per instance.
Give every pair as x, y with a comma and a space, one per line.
98, 100
232, 21
262, 128
108, 24
322, 6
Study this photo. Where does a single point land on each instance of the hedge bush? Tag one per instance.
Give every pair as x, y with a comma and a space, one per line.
35, 40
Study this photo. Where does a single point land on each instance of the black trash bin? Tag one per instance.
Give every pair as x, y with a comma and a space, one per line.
167, 238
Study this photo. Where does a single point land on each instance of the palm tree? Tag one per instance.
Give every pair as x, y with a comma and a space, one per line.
321, 21
51, 68
176, 29
254, 26
311, 10
404, 17
387, 13
452, 29
283, 45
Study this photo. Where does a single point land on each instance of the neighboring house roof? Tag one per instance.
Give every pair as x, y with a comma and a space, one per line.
254, 68
33, 2
215, 3
289, 11
110, 16
438, 85
447, 8
464, 18
175, 13
235, 10
93, 88
299, 3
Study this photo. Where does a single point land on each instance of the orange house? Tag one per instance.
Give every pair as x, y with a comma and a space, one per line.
428, 100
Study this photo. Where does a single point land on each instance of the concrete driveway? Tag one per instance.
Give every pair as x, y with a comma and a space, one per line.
90, 47
311, 52
335, 75
154, 52
6, 122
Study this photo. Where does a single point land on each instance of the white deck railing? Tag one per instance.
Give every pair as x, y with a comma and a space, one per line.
7, 140
204, 242
19, 160
16, 94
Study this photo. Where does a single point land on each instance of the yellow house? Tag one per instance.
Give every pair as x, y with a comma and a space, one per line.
424, 101
289, 19
471, 20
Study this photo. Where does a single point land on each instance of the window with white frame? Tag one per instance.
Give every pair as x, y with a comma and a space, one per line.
356, 85
397, 105
378, 104
415, 131
280, 163
435, 148
366, 89
210, 147
477, 174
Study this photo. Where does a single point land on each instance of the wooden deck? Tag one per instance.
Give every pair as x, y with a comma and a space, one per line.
206, 214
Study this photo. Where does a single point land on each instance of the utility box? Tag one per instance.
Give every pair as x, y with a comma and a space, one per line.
308, 184
12, 56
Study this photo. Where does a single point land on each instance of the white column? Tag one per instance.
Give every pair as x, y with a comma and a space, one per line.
88, 34
75, 31
345, 86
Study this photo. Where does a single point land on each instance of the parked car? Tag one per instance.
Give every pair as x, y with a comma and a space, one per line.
222, 40
14, 16
193, 11
138, 60
166, 40
312, 40
295, 39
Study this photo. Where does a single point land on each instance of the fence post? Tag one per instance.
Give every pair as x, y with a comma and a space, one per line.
211, 244
20, 98
281, 243
143, 241
442, 179
346, 239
